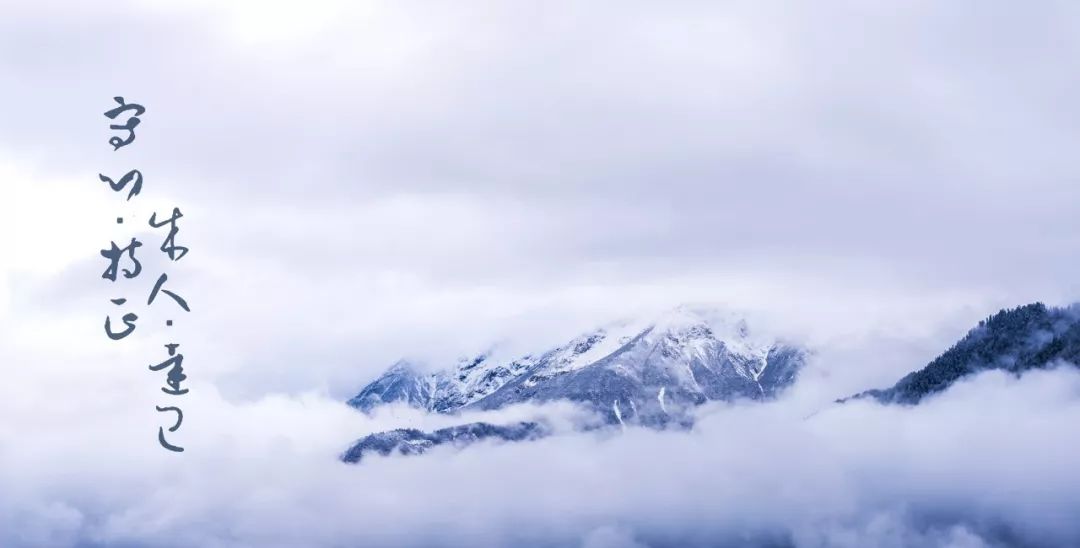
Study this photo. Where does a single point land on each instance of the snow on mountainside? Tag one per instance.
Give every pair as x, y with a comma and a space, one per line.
642, 371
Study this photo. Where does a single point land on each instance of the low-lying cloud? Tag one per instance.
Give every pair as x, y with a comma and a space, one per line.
989, 463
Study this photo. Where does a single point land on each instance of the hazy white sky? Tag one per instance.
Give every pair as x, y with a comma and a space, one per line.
362, 180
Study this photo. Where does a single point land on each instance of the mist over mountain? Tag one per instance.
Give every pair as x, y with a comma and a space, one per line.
410, 441
648, 372
1016, 340
654, 373
645, 371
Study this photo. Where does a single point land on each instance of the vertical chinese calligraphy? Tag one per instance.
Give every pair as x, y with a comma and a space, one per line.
124, 265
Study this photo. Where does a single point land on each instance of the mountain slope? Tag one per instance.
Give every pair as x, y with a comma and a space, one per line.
1015, 340
409, 441
645, 371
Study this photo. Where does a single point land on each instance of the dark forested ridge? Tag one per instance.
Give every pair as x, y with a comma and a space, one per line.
409, 441
1015, 340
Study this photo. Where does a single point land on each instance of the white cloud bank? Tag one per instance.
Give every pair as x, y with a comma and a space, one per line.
989, 463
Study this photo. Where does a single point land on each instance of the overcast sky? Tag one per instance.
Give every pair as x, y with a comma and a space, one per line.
362, 181
366, 180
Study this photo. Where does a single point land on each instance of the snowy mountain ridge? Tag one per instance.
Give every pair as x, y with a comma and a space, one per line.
643, 369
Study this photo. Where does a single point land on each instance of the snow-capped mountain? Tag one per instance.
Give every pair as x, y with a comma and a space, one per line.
646, 371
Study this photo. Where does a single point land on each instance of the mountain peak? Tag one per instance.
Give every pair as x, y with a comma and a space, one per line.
1032, 336
640, 369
